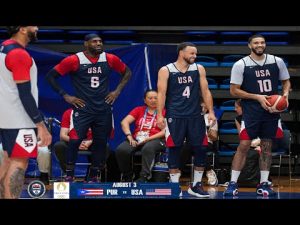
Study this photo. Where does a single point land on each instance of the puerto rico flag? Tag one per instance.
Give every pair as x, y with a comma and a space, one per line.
90, 192
159, 191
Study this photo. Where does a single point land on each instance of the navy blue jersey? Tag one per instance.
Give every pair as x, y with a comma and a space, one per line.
91, 82
183, 92
258, 79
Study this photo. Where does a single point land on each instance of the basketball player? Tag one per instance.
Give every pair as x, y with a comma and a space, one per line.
90, 71
20, 117
254, 78
179, 87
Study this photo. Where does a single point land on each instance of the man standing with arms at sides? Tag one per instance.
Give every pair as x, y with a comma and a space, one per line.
90, 71
253, 79
20, 118
179, 87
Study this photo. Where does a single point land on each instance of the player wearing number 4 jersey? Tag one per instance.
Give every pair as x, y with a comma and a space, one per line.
90, 71
180, 85
254, 78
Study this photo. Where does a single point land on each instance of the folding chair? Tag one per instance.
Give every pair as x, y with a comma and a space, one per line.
282, 149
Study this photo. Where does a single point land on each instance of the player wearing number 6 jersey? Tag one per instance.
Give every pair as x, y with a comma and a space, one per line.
90, 71
253, 78
180, 85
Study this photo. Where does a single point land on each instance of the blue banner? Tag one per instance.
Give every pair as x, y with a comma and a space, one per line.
124, 190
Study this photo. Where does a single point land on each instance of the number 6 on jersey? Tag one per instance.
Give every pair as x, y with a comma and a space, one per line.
95, 82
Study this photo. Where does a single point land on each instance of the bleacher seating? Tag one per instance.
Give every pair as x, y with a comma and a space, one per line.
202, 37
235, 37
212, 84
225, 84
207, 61
227, 105
228, 139
276, 38
229, 60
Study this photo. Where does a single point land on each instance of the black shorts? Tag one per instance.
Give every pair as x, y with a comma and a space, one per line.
179, 129
101, 124
251, 129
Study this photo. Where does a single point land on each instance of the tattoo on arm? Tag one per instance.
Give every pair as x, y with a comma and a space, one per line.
266, 156
2, 187
16, 182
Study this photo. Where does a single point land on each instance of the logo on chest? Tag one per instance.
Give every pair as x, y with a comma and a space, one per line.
185, 80
262, 73
94, 69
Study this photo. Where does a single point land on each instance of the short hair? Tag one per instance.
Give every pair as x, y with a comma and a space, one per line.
255, 36
11, 30
183, 45
149, 90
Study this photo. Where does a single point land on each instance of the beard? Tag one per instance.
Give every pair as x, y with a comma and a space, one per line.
258, 53
189, 61
95, 51
32, 36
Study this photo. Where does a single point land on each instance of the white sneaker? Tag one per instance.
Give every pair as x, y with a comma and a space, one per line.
212, 178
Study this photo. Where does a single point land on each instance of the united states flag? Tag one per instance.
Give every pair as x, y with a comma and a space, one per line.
159, 191
90, 192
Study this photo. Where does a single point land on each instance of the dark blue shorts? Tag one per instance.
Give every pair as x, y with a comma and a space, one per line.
101, 124
179, 129
19, 142
251, 129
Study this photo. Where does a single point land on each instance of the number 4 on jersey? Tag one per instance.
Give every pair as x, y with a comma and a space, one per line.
186, 92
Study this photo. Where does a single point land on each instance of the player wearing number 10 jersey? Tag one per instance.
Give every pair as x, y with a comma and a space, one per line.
180, 85
253, 78
90, 71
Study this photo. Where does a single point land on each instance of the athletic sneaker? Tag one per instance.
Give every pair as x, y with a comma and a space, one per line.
198, 191
264, 189
232, 189
212, 177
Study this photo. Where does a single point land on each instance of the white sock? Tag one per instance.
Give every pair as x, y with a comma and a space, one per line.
197, 176
235, 175
264, 175
174, 177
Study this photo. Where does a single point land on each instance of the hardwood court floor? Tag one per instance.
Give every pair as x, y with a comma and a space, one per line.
285, 185
286, 189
